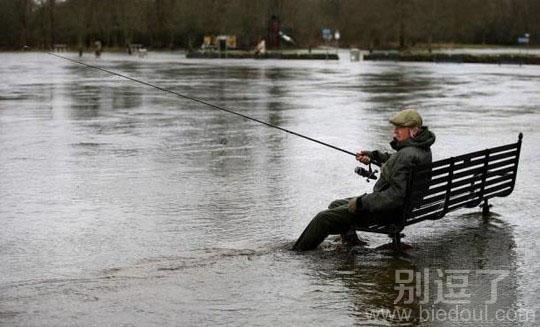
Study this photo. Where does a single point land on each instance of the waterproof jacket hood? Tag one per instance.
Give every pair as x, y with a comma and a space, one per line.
423, 140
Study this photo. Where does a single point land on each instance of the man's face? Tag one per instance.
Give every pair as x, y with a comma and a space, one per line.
401, 133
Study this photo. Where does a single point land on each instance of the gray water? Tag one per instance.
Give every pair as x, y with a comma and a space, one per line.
124, 205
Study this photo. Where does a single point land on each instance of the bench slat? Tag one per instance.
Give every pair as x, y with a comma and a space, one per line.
428, 216
462, 201
467, 197
506, 172
424, 209
475, 162
494, 150
500, 190
442, 182
469, 189
466, 173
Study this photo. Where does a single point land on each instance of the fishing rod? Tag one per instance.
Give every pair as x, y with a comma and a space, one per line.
211, 105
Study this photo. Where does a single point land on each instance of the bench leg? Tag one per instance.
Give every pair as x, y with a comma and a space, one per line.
396, 241
485, 210
396, 244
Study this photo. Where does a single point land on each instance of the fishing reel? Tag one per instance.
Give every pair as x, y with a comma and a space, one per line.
367, 173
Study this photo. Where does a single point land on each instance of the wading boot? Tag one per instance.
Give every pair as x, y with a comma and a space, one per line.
350, 239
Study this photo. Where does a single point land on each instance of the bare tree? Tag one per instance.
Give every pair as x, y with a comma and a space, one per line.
364, 23
24, 8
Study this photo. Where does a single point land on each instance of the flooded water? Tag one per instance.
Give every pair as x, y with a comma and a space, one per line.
124, 205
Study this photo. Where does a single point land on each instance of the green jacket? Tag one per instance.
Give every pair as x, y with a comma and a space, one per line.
390, 190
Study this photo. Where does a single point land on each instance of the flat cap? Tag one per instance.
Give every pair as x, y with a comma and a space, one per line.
407, 118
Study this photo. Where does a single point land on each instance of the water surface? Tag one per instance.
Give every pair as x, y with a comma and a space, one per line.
123, 205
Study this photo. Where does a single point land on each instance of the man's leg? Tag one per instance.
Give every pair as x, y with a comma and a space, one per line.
349, 238
336, 220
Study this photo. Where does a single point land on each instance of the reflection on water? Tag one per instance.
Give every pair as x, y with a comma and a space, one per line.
124, 205
466, 260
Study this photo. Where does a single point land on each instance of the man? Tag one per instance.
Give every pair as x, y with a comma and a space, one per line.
412, 142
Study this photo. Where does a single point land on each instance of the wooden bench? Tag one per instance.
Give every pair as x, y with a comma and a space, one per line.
465, 181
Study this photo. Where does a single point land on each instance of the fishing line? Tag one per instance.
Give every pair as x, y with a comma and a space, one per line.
202, 102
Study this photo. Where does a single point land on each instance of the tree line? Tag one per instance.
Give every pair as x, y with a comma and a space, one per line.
160, 24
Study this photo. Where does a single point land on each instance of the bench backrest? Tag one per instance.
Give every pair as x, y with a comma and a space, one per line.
463, 181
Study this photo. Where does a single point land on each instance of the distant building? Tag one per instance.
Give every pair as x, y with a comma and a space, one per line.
221, 42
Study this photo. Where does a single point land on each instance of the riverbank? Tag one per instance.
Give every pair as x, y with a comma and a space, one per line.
289, 54
486, 55
481, 58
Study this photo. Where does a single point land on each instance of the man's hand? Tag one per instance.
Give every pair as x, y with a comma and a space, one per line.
363, 157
